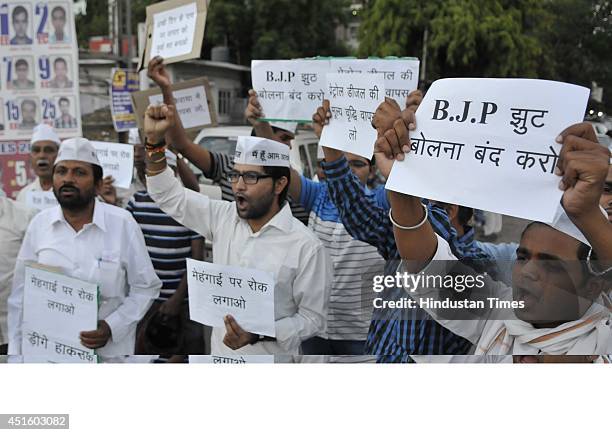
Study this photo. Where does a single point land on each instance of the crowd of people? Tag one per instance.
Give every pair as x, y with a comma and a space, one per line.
322, 240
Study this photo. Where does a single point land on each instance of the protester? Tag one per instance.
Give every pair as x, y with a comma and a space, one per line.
217, 166
43, 150
14, 220
169, 245
256, 231
92, 241
354, 263
44, 146
365, 216
606, 197
562, 282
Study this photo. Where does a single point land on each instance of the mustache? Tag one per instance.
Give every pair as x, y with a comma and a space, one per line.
68, 187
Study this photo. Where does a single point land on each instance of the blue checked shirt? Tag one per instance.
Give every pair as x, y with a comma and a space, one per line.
396, 334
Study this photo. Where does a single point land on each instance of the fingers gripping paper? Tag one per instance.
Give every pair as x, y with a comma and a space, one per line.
490, 144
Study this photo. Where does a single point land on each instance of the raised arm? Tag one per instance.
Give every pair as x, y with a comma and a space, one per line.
583, 164
196, 154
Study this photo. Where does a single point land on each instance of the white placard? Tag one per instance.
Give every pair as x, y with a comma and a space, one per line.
401, 76
191, 105
233, 359
41, 199
117, 160
174, 31
56, 309
490, 144
353, 99
292, 90
289, 90
216, 291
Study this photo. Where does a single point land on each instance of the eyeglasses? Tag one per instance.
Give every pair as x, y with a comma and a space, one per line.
247, 177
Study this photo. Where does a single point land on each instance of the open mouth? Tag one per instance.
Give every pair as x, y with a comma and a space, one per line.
43, 164
241, 201
530, 297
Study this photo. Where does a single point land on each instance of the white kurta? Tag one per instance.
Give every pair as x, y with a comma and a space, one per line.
284, 247
34, 186
110, 251
589, 335
14, 220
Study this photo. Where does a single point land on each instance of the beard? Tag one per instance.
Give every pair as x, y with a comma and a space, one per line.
78, 200
249, 209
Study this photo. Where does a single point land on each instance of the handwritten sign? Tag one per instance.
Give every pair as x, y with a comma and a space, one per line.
216, 291
401, 76
289, 90
193, 99
40, 199
175, 31
353, 100
234, 359
497, 138
117, 160
191, 105
56, 309
292, 90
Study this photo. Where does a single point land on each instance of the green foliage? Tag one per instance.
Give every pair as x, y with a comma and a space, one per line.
567, 40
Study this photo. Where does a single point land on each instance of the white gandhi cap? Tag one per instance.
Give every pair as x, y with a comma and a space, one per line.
78, 149
43, 132
251, 150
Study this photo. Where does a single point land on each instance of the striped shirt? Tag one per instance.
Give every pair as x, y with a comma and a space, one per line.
168, 242
221, 164
396, 334
355, 264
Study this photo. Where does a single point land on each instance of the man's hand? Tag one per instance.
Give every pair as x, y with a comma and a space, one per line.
392, 127
157, 72
253, 111
171, 307
108, 191
413, 100
321, 118
98, 338
583, 165
157, 120
235, 336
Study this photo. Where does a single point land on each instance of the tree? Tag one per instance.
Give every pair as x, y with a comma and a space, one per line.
465, 37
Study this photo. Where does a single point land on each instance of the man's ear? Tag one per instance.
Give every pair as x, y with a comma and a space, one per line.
280, 184
452, 210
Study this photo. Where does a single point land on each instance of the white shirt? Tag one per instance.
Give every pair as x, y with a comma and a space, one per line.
14, 219
34, 186
284, 247
109, 251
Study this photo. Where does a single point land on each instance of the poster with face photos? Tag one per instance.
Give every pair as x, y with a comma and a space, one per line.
38, 68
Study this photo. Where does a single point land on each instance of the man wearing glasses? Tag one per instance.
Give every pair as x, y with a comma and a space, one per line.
256, 231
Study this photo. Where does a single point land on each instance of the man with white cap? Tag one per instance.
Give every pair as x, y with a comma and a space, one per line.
43, 151
169, 245
256, 231
558, 303
215, 165
92, 241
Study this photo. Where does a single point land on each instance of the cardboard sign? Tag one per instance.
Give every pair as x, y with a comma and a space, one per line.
193, 99
174, 31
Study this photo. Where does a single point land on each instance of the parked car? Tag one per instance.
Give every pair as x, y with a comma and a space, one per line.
303, 154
